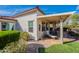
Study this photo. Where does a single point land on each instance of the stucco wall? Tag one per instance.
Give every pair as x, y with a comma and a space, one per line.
40, 32
0, 25
22, 24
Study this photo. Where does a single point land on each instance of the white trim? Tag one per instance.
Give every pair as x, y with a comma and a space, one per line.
58, 14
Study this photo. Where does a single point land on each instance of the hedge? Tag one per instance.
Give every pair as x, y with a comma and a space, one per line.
7, 37
18, 46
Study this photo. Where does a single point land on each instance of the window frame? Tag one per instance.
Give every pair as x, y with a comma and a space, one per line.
3, 25
30, 26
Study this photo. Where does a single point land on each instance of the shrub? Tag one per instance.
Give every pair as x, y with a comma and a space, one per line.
24, 36
7, 37
15, 47
18, 46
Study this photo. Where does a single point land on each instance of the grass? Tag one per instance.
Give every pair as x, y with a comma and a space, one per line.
72, 47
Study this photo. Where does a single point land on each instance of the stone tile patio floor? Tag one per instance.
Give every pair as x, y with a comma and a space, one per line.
47, 42
44, 43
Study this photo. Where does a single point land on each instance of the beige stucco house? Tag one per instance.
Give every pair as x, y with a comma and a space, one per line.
35, 22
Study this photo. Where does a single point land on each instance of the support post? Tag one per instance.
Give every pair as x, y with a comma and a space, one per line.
61, 31
41, 31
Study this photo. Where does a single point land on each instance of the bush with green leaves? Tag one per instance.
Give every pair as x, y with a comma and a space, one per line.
17, 46
24, 36
7, 37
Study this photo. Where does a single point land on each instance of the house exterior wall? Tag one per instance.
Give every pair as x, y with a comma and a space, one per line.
0, 26
39, 13
22, 24
40, 33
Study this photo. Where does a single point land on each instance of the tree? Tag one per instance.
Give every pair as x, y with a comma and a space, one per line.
75, 20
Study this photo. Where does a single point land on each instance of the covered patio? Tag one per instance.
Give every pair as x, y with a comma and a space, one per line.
47, 23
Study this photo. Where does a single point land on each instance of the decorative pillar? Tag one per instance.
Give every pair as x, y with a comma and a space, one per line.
41, 30
61, 31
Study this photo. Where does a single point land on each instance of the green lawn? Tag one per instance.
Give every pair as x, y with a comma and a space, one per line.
72, 47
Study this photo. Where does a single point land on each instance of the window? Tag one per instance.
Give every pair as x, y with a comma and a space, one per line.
5, 26
30, 26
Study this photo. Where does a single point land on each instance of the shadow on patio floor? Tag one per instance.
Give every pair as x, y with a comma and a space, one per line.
35, 48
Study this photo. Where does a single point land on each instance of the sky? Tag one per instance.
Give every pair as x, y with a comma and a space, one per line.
11, 10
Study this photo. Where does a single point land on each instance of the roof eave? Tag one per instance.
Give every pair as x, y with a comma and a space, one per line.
58, 14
